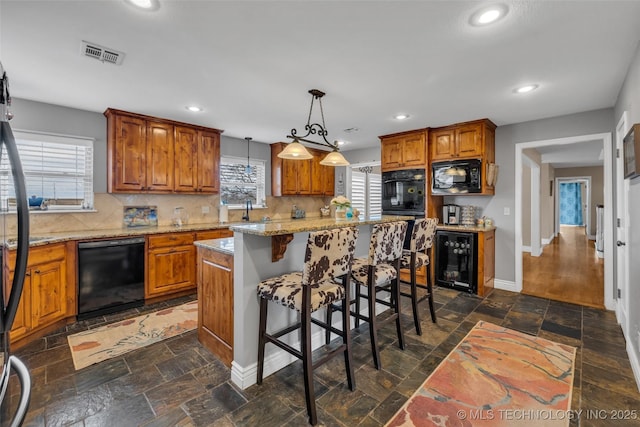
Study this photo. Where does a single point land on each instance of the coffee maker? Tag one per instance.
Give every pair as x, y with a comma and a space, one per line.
451, 214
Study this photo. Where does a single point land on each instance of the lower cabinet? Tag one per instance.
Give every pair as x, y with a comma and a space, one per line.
215, 303
171, 262
486, 261
49, 293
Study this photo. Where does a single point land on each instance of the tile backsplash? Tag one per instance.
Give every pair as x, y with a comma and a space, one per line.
109, 211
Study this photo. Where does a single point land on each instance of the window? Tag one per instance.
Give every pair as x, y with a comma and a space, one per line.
58, 169
366, 189
237, 186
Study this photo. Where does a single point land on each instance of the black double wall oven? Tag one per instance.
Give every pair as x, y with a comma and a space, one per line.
403, 193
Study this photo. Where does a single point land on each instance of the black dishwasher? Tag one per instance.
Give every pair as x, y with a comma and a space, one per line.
457, 260
110, 276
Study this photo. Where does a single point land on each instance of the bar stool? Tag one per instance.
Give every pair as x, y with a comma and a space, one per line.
380, 271
419, 255
328, 257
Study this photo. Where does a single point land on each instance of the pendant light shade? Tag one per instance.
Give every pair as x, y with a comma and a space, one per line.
295, 151
334, 159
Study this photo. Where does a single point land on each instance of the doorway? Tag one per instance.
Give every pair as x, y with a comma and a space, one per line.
573, 203
606, 140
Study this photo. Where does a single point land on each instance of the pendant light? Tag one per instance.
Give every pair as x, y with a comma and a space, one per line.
296, 151
247, 169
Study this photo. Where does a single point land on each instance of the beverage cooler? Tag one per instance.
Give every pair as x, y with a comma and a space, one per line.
457, 260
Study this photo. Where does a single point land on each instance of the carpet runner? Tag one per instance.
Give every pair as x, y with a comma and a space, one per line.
495, 377
115, 339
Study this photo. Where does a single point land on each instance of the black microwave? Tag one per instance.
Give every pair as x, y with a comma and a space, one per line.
456, 177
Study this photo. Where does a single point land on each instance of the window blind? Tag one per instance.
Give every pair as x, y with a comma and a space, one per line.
58, 169
237, 186
366, 192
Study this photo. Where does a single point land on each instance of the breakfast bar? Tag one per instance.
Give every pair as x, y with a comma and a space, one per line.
252, 262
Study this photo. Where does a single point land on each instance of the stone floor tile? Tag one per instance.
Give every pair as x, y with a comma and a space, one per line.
214, 404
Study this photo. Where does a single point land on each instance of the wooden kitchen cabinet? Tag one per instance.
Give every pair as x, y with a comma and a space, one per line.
49, 293
197, 160
300, 177
215, 303
171, 262
406, 150
152, 155
486, 261
463, 141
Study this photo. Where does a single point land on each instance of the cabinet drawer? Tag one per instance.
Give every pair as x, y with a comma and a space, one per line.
169, 240
214, 234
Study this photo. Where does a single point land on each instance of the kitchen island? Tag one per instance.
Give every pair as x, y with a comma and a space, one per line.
253, 262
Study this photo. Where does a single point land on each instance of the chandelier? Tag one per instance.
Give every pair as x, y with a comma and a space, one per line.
296, 151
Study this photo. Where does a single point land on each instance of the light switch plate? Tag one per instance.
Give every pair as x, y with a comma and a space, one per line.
507, 211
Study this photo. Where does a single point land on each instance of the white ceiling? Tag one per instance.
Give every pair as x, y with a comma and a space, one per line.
249, 64
581, 154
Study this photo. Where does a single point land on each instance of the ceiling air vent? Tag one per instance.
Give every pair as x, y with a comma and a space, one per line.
101, 53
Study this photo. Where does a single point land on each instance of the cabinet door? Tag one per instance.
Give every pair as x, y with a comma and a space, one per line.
469, 141
290, 177
304, 176
391, 153
443, 144
170, 270
208, 162
214, 234
217, 304
22, 322
129, 166
328, 180
414, 151
186, 160
48, 293
160, 157
317, 186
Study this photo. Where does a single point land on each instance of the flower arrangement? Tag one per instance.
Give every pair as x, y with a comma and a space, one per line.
341, 202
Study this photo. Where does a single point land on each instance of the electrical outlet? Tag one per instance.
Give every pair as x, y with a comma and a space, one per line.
205, 209
507, 211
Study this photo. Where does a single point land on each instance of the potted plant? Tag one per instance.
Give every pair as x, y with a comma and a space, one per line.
341, 203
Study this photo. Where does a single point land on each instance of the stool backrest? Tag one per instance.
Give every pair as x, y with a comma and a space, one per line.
422, 235
329, 254
386, 242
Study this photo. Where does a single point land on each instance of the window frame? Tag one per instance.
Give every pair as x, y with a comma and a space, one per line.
86, 181
259, 204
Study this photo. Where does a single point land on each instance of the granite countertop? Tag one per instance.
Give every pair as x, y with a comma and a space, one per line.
224, 245
46, 238
276, 228
465, 228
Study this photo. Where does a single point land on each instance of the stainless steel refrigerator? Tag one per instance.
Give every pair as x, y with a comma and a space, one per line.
10, 292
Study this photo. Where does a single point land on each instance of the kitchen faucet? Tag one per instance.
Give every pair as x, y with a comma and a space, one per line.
245, 217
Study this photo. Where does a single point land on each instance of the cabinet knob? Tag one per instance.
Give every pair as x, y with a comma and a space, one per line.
28, 273
37, 271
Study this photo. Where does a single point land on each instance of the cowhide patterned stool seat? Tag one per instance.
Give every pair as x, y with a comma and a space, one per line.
376, 272
419, 255
324, 280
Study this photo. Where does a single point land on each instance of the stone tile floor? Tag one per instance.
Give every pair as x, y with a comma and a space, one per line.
179, 383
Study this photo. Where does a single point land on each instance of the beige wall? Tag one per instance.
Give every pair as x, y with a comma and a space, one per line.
547, 202
597, 188
109, 211
526, 205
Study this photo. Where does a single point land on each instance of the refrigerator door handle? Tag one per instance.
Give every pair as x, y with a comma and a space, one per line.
25, 392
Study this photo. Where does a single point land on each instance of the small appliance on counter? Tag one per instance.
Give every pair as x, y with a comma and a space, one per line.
451, 214
297, 213
468, 216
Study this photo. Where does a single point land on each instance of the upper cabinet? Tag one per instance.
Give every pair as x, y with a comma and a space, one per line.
406, 150
151, 155
300, 177
463, 141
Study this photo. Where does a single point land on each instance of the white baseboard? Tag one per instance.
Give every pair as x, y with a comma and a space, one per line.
600, 254
591, 236
505, 285
635, 363
545, 242
526, 249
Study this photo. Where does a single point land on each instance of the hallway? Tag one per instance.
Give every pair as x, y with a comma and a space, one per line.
568, 270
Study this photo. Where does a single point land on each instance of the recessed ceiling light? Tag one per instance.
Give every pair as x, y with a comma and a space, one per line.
488, 15
401, 116
525, 88
145, 4
194, 108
